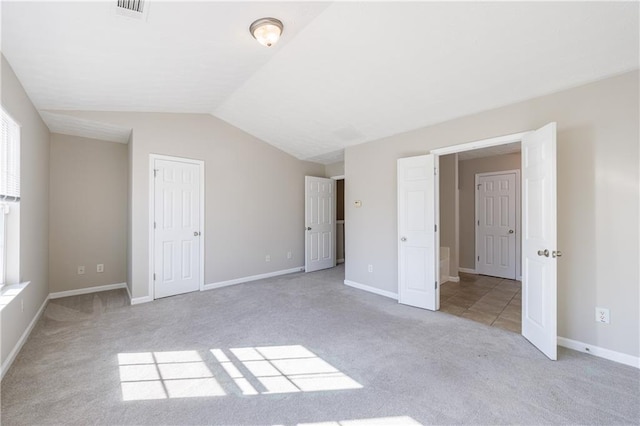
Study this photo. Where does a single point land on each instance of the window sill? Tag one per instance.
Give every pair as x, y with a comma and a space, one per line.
10, 292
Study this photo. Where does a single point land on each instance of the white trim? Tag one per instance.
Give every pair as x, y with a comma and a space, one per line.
200, 163
139, 300
340, 261
484, 143
235, 281
479, 249
468, 271
370, 289
16, 349
86, 290
454, 279
339, 177
586, 348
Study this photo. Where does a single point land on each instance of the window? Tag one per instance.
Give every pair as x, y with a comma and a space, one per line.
9, 181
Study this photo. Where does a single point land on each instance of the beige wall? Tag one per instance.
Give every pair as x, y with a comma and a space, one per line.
335, 169
34, 209
467, 174
597, 160
260, 213
87, 212
448, 214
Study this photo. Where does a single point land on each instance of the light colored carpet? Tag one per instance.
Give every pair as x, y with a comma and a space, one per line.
340, 355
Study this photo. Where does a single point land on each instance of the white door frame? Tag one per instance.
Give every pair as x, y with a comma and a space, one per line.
484, 143
200, 163
518, 218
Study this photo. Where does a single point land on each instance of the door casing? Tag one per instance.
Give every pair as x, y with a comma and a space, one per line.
502, 140
200, 163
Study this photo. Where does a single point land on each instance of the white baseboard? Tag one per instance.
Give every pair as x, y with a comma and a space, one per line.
586, 348
252, 278
467, 271
340, 261
370, 289
86, 290
16, 349
454, 279
139, 300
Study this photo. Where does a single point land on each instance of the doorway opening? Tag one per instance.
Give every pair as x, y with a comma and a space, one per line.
480, 227
340, 244
419, 238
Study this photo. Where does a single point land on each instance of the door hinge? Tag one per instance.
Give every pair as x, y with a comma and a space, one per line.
154, 225
435, 228
154, 276
155, 172
478, 258
435, 171
478, 222
436, 287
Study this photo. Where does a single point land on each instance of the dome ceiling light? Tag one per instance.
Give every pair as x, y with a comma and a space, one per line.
266, 30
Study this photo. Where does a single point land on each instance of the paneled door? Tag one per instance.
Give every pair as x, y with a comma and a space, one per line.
176, 227
320, 223
496, 224
417, 253
539, 240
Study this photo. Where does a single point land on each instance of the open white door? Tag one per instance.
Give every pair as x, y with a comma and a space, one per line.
539, 279
320, 223
417, 253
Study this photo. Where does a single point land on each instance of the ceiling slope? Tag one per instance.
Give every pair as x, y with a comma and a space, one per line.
343, 73
362, 71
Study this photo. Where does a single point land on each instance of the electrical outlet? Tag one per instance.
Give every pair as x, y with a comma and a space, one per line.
100, 267
267, 258
370, 268
288, 255
602, 315
80, 270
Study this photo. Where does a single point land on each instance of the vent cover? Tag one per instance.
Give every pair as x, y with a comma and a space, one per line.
132, 5
136, 9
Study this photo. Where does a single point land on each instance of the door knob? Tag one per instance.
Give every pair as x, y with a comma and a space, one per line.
403, 239
196, 233
556, 253
543, 253
308, 228
511, 231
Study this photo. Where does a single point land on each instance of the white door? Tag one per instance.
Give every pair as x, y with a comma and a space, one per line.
320, 223
417, 252
539, 250
496, 224
177, 230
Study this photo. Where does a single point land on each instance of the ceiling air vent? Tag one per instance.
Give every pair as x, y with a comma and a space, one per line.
132, 5
132, 8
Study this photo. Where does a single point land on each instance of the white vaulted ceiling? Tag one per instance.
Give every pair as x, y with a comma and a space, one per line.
342, 74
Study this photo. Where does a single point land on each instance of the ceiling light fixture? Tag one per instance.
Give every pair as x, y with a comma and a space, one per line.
266, 30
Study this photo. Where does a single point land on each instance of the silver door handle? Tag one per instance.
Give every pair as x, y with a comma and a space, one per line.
511, 231
543, 253
556, 253
196, 234
403, 239
308, 228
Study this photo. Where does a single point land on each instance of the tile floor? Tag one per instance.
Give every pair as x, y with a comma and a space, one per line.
489, 300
